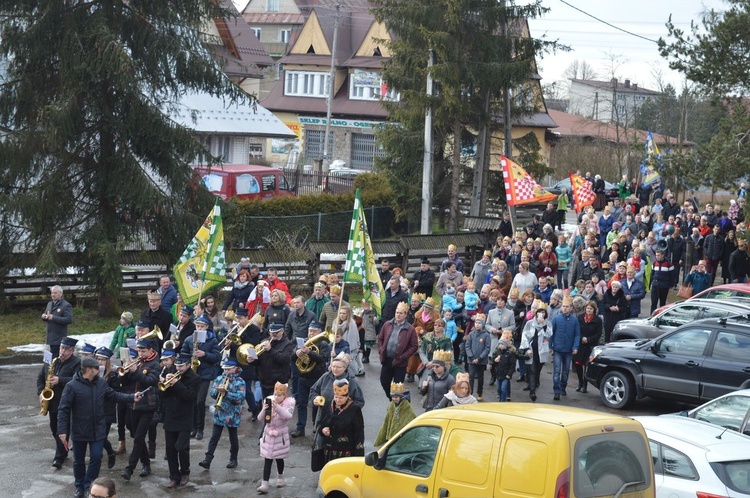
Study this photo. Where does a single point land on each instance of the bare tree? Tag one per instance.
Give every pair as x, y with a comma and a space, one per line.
580, 70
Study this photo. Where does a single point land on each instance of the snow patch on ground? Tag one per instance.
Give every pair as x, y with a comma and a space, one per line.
98, 340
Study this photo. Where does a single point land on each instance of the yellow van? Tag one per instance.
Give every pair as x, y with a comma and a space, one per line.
514, 450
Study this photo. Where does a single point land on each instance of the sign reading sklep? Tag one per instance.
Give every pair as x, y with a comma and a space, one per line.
349, 123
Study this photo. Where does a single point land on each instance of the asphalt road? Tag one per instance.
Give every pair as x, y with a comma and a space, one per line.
27, 446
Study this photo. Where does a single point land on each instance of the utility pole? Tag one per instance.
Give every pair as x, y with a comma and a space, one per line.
478, 188
426, 226
331, 90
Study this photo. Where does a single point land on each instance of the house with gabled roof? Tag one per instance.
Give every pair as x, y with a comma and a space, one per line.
610, 101
299, 99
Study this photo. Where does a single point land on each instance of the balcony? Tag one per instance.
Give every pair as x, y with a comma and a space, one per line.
276, 49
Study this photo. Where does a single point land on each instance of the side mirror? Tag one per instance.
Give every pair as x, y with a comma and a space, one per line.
371, 460
655, 346
683, 413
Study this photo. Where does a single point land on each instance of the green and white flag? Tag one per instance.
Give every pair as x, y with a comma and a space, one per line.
202, 266
360, 261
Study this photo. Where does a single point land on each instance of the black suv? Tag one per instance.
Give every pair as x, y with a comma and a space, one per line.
695, 363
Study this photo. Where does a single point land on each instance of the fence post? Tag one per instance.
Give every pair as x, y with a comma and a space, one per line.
244, 230
372, 221
320, 221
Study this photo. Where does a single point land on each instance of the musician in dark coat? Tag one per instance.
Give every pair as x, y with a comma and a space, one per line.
63, 369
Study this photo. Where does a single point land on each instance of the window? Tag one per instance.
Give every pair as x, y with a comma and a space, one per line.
284, 35
690, 342
367, 85
269, 183
605, 462
731, 346
672, 463
727, 412
306, 84
414, 452
679, 315
256, 32
272, 5
734, 474
314, 142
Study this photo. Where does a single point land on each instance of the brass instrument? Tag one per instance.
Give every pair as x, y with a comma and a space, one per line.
169, 344
154, 334
303, 363
231, 338
47, 392
220, 399
163, 386
243, 352
195, 362
126, 367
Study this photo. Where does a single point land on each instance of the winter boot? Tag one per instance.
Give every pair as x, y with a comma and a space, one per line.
263, 488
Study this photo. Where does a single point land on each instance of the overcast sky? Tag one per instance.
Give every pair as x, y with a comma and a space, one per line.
593, 41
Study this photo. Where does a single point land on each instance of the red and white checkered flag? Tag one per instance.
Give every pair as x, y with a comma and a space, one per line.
520, 187
582, 194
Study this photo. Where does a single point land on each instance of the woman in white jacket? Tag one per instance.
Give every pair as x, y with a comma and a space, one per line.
535, 346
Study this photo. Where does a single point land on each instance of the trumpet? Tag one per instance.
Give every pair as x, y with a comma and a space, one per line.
231, 338
126, 367
224, 385
163, 386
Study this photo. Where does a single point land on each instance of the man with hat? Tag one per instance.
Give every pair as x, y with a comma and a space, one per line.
143, 375
316, 359
249, 334
318, 299
229, 388
111, 377
273, 360
297, 327
243, 265
399, 414
156, 316
423, 281
58, 375
566, 337
178, 402
58, 315
82, 408
185, 326
397, 342
209, 354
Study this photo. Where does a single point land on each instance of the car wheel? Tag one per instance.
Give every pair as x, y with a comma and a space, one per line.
617, 390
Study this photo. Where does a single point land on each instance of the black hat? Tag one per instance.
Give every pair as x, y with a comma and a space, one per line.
187, 309
88, 348
275, 327
143, 324
145, 344
89, 363
69, 342
425, 261
104, 352
241, 312
183, 358
315, 325
167, 353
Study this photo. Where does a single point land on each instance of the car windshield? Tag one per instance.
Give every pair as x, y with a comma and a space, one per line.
729, 412
734, 475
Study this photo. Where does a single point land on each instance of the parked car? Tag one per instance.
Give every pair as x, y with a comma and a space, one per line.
610, 189
695, 363
676, 316
696, 459
501, 449
731, 411
244, 181
730, 292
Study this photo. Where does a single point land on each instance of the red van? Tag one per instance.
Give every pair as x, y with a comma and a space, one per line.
244, 181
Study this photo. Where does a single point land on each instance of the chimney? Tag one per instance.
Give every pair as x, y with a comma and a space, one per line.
635, 86
627, 83
614, 81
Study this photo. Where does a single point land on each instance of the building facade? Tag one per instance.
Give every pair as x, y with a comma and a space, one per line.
609, 101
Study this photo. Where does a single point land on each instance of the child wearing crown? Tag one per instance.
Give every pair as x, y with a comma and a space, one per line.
342, 425
398, 415
274, 443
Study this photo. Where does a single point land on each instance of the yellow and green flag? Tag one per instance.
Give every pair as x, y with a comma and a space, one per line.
360, 261
202, 266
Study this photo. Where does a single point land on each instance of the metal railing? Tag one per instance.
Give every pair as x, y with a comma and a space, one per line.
316, 182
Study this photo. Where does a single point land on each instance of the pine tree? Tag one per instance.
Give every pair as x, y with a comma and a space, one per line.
91, 159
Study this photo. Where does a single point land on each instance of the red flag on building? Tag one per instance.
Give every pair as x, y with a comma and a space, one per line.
581, 191
520, 187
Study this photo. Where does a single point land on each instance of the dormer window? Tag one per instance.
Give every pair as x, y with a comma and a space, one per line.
306, 84
272, 5
376, 52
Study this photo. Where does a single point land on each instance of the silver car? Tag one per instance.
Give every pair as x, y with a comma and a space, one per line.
676, 316
731, 411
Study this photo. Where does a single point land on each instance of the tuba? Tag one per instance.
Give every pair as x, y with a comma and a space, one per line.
243, 352
154, 334
47, 392
304, 364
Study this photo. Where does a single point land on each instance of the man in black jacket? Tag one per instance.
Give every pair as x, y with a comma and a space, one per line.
296, 326
157, 317
65, 367
249, 334
273, 361
58, 314
143, 375
82, 403
739, 264
393, 296
179, 402
424, 279
317, 358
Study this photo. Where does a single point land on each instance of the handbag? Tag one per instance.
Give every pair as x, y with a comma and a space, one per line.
317, 457
685, 291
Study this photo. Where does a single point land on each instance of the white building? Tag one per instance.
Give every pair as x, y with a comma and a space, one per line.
608, 101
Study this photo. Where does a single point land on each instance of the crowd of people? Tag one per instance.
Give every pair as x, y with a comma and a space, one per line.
549, 292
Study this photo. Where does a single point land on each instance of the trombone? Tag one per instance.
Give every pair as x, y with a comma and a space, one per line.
231, 338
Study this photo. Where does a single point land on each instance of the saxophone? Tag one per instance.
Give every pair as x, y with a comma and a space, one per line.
224, 385
195, 362
47, 392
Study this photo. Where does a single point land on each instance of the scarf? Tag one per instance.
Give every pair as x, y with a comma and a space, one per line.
240, 285
425, 316
587, 318
453, 397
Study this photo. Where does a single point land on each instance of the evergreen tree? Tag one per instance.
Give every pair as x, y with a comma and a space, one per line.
91, 160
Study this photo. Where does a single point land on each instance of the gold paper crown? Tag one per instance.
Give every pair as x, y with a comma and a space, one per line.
229, 315
480, 316
341, 387
452, 247
402, 307
462, 377
153, 295
542, 306
397, 388
430, 302
280, 389
419, 296
444, 356
341, 356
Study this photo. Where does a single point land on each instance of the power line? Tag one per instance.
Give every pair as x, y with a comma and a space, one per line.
608, 24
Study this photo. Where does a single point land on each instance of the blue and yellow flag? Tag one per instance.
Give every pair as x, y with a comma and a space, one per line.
202, 266
649, 173
360, 260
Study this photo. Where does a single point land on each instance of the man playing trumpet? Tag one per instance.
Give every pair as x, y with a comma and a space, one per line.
273, 361
179, 393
